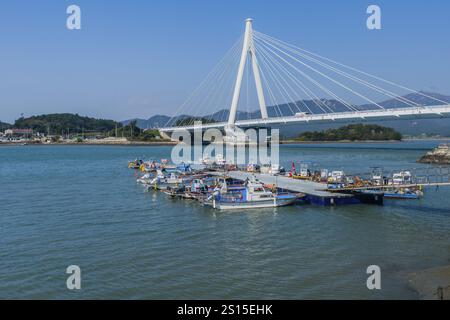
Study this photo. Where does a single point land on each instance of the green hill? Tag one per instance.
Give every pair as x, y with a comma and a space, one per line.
353, 132
58, 122
133, 133
4, 126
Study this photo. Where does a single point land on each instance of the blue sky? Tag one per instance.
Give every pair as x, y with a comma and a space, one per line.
140, 58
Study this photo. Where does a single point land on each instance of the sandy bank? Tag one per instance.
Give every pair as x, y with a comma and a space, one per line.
432, 284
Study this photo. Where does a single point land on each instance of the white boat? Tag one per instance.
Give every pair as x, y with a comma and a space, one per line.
302, 114
161, 181
252, 195
275, 169
324, 175
403, 193
403, 177
377, 176
271, 169
220, 160
304, 173
336, 176
145, 179
253, 167
207, 161
265, 169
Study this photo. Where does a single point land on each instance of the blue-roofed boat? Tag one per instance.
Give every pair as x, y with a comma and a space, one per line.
252, 195
403, 193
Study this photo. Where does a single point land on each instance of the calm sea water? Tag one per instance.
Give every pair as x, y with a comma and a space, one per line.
65, 205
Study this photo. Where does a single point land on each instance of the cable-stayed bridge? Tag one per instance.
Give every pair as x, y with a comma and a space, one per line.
287, 77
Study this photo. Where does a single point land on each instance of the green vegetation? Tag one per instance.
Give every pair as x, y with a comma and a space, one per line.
353, 132
67, 123
4, 126
133, 133
191, 120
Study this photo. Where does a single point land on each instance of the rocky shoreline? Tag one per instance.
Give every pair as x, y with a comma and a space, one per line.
439, 155
92, 143
432, 284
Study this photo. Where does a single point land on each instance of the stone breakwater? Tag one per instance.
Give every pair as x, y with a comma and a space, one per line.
440, 155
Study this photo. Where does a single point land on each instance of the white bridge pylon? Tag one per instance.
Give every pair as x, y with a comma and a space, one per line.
301, 87
248, 48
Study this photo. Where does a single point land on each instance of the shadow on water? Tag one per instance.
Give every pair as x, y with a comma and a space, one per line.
419, 208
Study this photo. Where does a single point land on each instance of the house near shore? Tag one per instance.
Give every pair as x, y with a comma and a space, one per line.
18, 132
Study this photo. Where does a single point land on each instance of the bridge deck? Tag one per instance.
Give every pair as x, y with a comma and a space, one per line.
427, 112
307, 187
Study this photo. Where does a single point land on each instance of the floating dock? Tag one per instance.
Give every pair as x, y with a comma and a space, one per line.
316, 192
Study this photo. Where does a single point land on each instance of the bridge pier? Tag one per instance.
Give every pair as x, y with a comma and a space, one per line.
165, 135
231, 135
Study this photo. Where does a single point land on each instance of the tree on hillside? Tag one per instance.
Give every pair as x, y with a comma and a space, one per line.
352, 132
56, 123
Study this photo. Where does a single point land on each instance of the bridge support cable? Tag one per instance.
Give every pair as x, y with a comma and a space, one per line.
211, 102
285, 97
363, 82
226, 95
316, 83
288, 75
283, 83
204, 105
303, 88
272, 98
295, 81
310, 54
206, 85
219, 100
323, 74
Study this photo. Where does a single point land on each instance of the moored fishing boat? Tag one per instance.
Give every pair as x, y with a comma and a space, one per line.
200, 188
145, 179
252, 195
399, 178
403, 193
253, 167
176, 191
272, 169
135, 164
220, 160
161, 181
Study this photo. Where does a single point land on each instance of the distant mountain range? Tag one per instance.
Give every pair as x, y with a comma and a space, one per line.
409, 127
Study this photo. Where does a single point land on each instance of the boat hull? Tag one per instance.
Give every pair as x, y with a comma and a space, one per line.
251, 204
401, 196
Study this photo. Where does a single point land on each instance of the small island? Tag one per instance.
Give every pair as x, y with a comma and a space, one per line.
352, 132
439, 155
